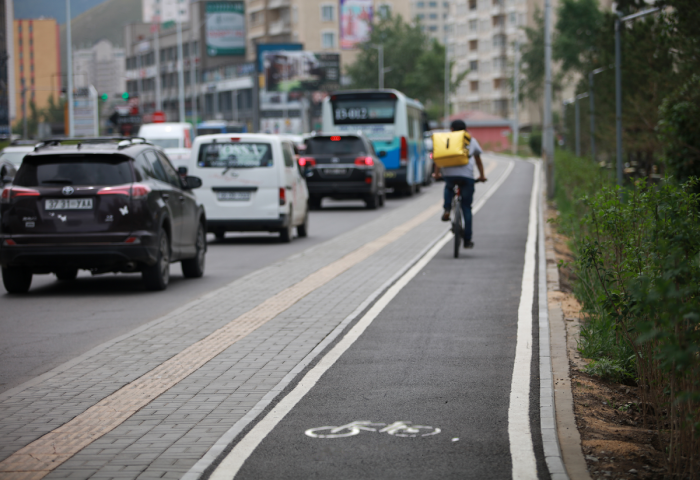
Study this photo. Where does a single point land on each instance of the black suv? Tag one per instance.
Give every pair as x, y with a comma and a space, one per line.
104, 205
343, 166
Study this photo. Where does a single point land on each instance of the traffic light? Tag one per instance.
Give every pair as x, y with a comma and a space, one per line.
125, 95
104, 97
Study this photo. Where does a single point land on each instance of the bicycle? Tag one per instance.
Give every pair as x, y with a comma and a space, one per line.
397, 429
457, 219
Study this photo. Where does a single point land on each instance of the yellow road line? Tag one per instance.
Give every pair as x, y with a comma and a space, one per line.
40, 457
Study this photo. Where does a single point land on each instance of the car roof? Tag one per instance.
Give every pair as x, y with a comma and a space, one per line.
18, 148
94, 146
268, 137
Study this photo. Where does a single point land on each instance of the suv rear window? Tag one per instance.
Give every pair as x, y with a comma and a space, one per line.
235, 155
96, 170
335, 145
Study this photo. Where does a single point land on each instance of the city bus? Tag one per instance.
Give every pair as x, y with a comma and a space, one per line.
392, 122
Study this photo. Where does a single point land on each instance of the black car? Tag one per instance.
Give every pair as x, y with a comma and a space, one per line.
103, 205
343, 167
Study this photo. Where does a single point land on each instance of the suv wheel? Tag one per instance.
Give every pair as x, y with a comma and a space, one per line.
16, 279
67, 274
286, 233
157, 276
372, 201
315, 203
194, 267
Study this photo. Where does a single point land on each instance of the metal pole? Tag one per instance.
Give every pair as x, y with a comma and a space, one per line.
69, 92
193, 82
618, 101
548, 140
381, 66
577, 127
516, 97
591, 101
447, 84
156, 47
180, 73
140, 81
25, 133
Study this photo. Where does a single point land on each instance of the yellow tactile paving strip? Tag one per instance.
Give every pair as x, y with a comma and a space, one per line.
40, 457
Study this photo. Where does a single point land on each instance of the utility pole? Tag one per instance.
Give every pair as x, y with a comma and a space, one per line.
180, 72
516, 96
447, 83
69, 92
548, 140
193, 82
577, 126
156, 48
380, 51
25, 130
591, 101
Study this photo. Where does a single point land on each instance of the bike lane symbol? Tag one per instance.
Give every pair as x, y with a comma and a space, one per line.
398, 429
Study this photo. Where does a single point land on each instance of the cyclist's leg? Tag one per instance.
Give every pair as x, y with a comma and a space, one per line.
467, 188
449, 193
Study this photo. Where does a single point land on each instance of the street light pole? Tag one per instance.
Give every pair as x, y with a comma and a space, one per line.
156, 48
380, 51
516, 96
548, 127
180, 72
591, 102
69, 92
447, 83
577, 127
193, 82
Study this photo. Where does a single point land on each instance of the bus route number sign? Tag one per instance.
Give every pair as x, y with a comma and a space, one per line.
354, 113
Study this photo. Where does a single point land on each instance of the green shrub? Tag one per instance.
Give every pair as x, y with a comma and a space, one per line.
609, 370
535, 142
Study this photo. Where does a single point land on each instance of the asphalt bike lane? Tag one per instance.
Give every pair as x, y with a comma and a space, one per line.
425, 391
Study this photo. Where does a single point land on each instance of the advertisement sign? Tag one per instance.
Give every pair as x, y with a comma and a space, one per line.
225, 28
301, 71
355, 22
263, 48
85, 119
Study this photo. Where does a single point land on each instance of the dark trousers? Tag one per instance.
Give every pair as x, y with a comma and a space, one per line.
466, 186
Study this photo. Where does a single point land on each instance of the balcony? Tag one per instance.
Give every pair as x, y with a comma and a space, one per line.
279, 27
274, 4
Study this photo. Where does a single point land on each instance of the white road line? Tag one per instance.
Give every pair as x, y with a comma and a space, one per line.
521, 449
233, 462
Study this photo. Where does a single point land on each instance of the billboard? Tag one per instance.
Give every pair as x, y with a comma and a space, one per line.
290, 71
355, 22
225, 28
263, 48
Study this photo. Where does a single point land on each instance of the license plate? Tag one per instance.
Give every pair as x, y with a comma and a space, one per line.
69, 204
335, 171
233, 196
389, 174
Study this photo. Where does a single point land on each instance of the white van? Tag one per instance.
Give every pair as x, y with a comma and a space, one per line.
250, 182
174, 138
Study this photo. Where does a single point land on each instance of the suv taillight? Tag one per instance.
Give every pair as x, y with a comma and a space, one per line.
10, 193
364, 161
307, 162
136, 190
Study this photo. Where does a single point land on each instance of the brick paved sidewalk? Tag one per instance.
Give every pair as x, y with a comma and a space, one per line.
165, 438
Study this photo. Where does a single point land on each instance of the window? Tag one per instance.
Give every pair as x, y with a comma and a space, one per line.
474, 86
433, 16
327, 13
432, 4
235, 155
288, 153
472, 4
498, 20
421, 16
473, 45
446, 4
499, 41
170, 173
512, 18
420, 4
384, 11
499, 63
473, 26
474, 66
155, 168
498, 83
433, 28
498, 3
328, 39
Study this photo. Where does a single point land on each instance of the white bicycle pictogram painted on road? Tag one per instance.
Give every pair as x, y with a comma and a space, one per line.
397, 429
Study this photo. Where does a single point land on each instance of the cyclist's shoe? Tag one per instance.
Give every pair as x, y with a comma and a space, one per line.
468, 244
446, 216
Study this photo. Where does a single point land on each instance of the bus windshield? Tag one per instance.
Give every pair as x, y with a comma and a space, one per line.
358, 110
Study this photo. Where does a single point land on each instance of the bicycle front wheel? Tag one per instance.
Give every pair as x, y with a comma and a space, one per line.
457, 230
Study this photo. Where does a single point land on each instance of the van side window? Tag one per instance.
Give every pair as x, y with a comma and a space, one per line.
288, 155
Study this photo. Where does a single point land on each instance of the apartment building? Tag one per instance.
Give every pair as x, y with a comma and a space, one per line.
37, 62
165, 10
433, 17
102, 66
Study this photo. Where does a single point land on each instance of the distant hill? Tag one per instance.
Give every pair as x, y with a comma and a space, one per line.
106, 20
52, 8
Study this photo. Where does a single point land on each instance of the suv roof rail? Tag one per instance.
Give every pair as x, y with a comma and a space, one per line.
23, 142
122, 142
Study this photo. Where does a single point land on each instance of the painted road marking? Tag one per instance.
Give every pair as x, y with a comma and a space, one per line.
233, 462
398, 429
40, 457
521, 450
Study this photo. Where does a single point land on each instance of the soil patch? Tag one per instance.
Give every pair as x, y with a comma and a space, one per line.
616, 441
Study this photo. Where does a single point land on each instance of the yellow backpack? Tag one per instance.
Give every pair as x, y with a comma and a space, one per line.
451, 149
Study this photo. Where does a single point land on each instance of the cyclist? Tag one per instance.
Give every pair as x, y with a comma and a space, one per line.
463, 176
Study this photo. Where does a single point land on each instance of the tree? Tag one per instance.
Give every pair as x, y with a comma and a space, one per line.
416, 63
532, 59
577, 27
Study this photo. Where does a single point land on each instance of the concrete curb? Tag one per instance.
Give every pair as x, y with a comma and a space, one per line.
560, 435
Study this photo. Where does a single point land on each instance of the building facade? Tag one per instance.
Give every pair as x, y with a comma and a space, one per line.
37, 63
433, 17
102, 66
165, 10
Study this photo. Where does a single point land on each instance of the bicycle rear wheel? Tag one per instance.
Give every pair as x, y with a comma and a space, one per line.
457, 230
